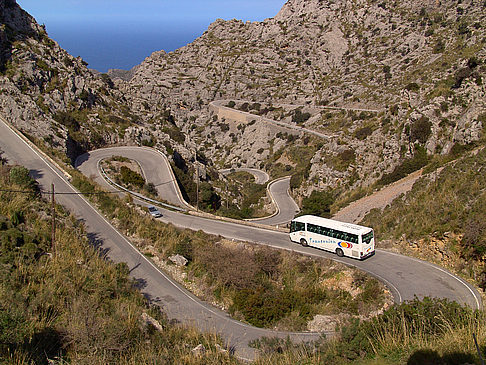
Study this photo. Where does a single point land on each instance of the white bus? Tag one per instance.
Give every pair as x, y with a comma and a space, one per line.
345, 239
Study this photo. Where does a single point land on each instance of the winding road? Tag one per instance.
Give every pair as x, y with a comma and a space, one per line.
285, 206
405, 277
261, 177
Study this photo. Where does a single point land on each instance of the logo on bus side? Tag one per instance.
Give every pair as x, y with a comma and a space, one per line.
345, 245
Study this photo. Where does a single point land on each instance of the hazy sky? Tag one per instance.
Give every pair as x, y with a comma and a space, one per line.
150, 10
121, 33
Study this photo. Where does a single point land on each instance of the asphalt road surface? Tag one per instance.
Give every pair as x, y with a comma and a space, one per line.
286, 206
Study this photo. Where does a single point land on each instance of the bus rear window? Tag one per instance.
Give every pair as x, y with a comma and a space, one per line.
297, 226
368, 237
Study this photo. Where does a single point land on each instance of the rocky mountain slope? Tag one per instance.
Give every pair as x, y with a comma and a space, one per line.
419, 64
51, 95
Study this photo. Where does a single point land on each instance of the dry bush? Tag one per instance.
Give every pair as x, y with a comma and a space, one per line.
232, 267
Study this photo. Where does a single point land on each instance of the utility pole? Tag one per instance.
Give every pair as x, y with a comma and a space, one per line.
53, 213
197, 180
227, 196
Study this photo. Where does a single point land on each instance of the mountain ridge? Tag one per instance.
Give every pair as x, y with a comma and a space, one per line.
421, 63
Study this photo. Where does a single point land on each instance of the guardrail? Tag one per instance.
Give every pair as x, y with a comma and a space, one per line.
269, 192
138, 195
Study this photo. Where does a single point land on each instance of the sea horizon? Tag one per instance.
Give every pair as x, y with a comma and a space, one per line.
104, 46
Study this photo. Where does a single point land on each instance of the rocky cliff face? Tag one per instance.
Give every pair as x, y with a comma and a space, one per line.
419, 64
53, 96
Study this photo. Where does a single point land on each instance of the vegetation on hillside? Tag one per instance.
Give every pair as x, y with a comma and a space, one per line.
127, 173
452, 199
68, 304
269, 288
431, 331
423, 65
71, 305
242, 195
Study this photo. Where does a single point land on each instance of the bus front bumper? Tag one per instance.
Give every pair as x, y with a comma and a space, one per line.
367, 255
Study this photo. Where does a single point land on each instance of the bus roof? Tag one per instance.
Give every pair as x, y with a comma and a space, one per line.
330, 223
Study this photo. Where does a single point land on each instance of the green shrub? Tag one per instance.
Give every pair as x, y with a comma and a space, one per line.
245, 107
427, 318
296, 180
209, 200
174, 133
255, 106
263, 308
224, 127
130, 177
318, 203
299, 118
363, 133
19, 175
184, 247
347, 156
184, 179
420, 130
41, 64
413, 86
151, 189
68, 120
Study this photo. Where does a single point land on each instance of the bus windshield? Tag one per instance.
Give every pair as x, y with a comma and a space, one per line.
297, 226
368, 237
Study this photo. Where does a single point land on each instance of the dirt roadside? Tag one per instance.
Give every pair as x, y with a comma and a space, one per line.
356, 211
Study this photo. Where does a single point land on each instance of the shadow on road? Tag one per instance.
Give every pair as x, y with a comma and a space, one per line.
152, 300
97, 243
139, 283
36, 174
431, 357
134, 268
81, 159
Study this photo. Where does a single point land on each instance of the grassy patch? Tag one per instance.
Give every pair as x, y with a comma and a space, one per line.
431, 331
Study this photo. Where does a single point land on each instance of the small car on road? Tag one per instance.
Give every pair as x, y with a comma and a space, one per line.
154, 212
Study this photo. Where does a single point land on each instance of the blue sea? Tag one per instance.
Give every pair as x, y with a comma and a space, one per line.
106, 46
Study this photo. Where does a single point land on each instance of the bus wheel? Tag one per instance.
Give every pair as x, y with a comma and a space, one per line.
339, 252
303, 242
